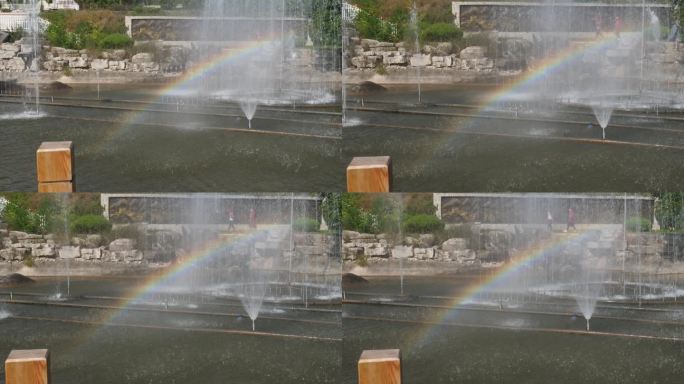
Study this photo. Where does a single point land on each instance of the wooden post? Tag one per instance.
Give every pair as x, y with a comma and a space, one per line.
55, 165
28, 367
369, 175
380, 367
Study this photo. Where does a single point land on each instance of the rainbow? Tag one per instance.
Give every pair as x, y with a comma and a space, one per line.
523, 259
547, 66
206, 253
190, 79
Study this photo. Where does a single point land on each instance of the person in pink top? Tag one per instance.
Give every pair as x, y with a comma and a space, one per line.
231, 219
618, 26
252, 218
571, 219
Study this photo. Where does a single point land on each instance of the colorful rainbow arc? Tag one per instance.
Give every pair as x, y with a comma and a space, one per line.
206, 253
519, 261
190, 79
545, 67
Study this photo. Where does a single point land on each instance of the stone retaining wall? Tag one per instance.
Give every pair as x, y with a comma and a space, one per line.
55, 59
159, 247
371, 54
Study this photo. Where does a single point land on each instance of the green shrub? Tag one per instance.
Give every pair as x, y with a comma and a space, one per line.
440, 32
28, 261
306, 225
354, 218
370, 26
19, 217
638, 224
90, 224
15, 35
115, 41
422, 224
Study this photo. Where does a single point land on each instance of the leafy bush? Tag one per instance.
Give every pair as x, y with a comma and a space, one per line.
115, 41
15, 35
90, 224
354, 218
638, 224
19, 218
440, 32
31, 213
422, 224
86, 29
371, 26
306, 225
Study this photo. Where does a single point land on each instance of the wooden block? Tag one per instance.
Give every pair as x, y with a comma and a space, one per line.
369, 175
55, 162
27, 367
380, 367
58, 187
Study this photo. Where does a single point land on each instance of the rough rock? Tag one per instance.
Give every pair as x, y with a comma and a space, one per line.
122, 245
69, 252
100, 64
15, 279
421, 60
474, 52
455, 244
142, 58
426, 240
93, 241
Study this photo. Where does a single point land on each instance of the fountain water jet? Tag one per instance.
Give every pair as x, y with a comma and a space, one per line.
262, 62
603, 114
249, 108
415, 28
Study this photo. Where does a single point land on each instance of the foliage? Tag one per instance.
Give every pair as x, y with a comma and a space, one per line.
137, 4
330, 210
422, 224
390, 214
390, 21
30, 212
354, 218
116, 41
89, 224
670, 211
85, 204
86, 29
326, 22
28, 261
440, 32
306, 225
43, 213
15, 35
638, 224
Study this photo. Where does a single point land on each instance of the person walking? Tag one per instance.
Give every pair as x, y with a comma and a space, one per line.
252, 218
597, 25
618, 26
231, 220
571, 219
